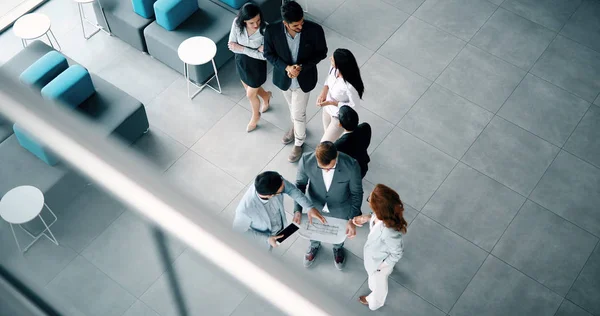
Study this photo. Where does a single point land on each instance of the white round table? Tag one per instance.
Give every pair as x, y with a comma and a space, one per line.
83, 18
21, 205
34, 25
195, 51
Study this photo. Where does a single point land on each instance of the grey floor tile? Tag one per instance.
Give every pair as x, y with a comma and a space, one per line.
127, 252
586, 290
10, 44
499, 289
390, 89
341, 284
336, 40
320, 10
382, 127
90, 290
205, 289
253, 305
422, 48
185, 119
474, 206
41, 263
423, 167
462, 18
231, 85
86, 217
511, 155
130, 72
399, 301
481, 78
446, 121
571, 189
569, 309
99, 52
551, 14
159, 148
281, 164
572, 67
513, 38
544, 109
524, 246
370, 32
63, 15
584, 140
435, 256
240, 154
204, 181
408, 6
140, 309
584, 25
597, 102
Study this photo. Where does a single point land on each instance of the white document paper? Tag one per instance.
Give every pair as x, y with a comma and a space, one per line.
332, 232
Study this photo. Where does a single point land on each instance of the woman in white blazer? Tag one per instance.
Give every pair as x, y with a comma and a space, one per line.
384, 245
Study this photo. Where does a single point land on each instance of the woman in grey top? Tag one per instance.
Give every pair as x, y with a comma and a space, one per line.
246, 41
384, 245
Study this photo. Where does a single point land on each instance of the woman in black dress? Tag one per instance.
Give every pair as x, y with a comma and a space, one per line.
246, 41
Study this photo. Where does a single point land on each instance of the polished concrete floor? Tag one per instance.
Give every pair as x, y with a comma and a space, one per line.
486, 120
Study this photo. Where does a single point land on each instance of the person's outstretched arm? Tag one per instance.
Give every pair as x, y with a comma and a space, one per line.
301, 182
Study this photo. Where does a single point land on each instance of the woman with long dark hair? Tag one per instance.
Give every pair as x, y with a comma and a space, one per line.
384, 245
246, 41
343, 86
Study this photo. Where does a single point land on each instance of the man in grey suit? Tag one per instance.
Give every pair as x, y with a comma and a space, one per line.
260, 213
334, 186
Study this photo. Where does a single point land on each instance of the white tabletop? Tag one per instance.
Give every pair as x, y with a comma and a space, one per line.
197, 50
31, 26
84, 1
21, 204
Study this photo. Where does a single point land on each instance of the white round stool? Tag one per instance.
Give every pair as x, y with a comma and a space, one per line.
32, 26
21, 205
195, 51
82, 19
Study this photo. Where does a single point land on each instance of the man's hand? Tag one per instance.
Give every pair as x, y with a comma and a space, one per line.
313, 212
293, 70
273, 241
235, 47
360, 220
297, 217
350, 230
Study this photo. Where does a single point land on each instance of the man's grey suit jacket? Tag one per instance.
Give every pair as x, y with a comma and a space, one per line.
345, 194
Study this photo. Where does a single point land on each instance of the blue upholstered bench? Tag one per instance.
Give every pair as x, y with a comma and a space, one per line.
144, 8
171, 13
34, 147
70, 88
44, 70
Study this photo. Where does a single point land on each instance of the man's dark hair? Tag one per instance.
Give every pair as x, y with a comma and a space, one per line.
348, 118
268, 183
326, 152
291, 12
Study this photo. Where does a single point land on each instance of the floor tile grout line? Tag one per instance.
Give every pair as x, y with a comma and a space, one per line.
61, 270
582, 268
469, 283
509, 223
332, 12
391, 276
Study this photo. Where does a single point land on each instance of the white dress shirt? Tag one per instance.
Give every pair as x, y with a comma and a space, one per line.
328, 178
251, 43
341, 91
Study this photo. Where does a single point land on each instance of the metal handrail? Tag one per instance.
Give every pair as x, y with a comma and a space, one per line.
131, 179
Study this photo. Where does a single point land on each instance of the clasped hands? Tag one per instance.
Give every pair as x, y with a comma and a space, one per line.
314, 213
293, 70
322, 100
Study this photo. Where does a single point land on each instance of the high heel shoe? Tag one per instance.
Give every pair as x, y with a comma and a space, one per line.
266, 105
252, 125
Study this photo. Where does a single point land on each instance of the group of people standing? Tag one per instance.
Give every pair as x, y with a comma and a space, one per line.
329, 180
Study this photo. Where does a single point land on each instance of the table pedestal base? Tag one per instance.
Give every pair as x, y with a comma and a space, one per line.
186, 73
42, 233
83, 19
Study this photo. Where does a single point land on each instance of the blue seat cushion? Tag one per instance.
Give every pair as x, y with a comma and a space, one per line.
70, 88
171, 13
144, 8
44, 70
236, 4
34, 147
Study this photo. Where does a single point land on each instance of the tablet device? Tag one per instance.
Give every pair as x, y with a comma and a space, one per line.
287, 232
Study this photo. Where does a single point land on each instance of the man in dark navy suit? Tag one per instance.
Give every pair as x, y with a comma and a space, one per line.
294, 47
356, 138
